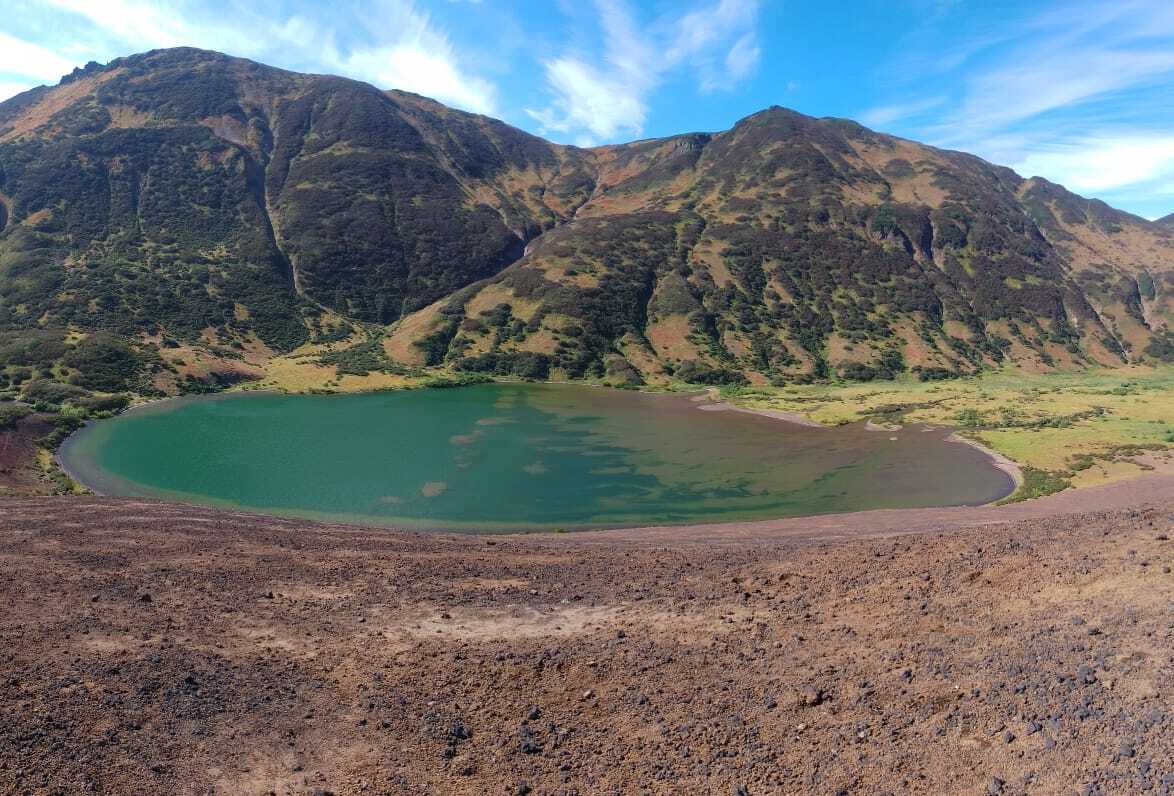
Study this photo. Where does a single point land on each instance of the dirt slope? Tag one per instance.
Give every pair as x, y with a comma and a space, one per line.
166, 649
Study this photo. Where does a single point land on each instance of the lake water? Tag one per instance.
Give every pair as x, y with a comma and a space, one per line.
498, 457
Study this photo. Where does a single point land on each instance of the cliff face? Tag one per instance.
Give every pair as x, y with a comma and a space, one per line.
185, 198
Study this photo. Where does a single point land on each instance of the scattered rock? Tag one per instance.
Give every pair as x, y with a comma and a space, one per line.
811, 696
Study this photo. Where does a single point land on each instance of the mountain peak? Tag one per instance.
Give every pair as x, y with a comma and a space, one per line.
233, 211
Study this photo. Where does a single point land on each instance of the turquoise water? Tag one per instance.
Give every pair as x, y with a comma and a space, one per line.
498, 457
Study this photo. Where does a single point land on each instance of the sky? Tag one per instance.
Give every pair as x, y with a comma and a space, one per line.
1075, 91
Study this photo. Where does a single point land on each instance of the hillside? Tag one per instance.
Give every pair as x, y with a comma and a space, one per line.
161, 648
175, 220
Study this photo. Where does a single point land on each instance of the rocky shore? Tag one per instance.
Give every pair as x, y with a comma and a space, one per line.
156, 648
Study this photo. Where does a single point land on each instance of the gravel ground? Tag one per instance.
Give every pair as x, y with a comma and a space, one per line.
156, 648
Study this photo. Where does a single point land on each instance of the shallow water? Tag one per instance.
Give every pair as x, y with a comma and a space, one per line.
497, 457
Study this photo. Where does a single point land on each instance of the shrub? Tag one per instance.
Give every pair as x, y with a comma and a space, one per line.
695, 372
104, 363
435, 345
52, 392
1161, 347
10, 415
936, 374
361, 359
525, 364
970, 418
104, 403
63, 426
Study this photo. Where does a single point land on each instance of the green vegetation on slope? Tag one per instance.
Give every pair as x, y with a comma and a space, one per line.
181, 220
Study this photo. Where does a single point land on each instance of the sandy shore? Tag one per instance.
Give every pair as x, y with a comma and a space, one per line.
717, 405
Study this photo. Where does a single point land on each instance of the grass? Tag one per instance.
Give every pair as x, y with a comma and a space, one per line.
1083, 428
304, 371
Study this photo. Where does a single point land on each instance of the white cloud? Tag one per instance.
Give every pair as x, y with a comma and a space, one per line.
407, 51
149, 24
1030, 88
601, 99
402, 49
709, 25
1075, 92
1103, 164
743, 57
9, 89
883, 115
24, 59
415, 67
587, 100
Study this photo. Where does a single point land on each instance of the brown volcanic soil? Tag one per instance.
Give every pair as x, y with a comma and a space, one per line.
19, 471
156, 648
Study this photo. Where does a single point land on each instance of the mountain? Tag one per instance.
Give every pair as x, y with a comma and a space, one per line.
182, 208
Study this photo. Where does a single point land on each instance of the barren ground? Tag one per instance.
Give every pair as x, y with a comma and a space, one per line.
156, 648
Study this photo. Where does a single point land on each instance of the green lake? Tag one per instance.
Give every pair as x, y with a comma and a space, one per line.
516, 457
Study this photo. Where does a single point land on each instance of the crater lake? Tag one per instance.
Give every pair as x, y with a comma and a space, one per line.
501, 457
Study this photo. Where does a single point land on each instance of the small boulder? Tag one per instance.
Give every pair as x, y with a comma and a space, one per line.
810, 696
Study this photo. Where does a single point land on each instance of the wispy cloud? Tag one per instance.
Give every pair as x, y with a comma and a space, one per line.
407, 51
26, 64
1054, 81
147, 24
742, 59
589, 99
884, 115
397, 46
1051, 93
593, 99
1096, 165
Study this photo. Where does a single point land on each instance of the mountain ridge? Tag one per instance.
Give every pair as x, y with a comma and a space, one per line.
188, 201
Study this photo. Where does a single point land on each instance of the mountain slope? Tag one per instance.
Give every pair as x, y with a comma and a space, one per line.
791, 246
208, 209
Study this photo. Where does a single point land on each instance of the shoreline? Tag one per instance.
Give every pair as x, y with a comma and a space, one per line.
1127, 494
1000, 462
717, 405
776, 414
1146, 488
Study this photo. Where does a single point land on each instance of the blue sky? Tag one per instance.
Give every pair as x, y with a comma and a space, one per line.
1079, 92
